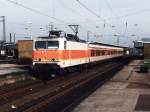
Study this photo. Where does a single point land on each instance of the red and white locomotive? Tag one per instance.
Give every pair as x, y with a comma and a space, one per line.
59, 52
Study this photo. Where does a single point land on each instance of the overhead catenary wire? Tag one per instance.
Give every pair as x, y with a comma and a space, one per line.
64, 5
53, 8
115, 15
92, 12
131, 14
46, 15
105, 22
34, 10
41, 13
110, 8
74, 11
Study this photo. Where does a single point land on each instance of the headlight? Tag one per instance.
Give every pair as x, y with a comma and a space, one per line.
53, 59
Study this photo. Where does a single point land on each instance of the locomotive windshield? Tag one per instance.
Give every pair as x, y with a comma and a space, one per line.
52, 44
46, 44
40, 44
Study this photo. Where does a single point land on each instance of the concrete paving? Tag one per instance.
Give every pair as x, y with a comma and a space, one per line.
121, 93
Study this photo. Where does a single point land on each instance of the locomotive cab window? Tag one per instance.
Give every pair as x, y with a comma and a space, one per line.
40, 44
46, 44
52, 44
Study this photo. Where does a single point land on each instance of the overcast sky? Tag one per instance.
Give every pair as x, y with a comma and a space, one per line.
129, 17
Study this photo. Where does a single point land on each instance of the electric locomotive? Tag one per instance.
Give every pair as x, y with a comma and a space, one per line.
59, 52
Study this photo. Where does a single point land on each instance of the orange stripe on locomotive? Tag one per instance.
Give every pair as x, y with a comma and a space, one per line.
60, 54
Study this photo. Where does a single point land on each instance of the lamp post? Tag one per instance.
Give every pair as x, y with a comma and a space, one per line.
4, 28
118, 40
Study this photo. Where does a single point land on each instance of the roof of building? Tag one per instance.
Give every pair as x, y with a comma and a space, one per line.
140, 41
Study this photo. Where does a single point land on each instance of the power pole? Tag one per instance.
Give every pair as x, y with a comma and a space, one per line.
30, 30
10, 40
14, 38
88, 36
4, 28
50, 27
118, 41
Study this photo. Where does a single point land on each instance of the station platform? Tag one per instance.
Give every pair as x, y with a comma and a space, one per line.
11, 68
11, 73
127, 91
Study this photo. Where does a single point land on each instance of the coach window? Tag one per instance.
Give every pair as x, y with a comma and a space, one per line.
65, 45
109, 52
92, 52
100, 52
103, 52
113, 52
96, 52
106, 52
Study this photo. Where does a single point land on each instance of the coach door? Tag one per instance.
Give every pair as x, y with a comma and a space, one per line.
69, 56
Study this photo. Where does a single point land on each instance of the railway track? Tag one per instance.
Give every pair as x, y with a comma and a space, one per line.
59, 94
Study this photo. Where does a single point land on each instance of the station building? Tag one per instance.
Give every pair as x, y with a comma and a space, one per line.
8, 50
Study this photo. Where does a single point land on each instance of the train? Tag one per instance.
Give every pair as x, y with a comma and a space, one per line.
59, 52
